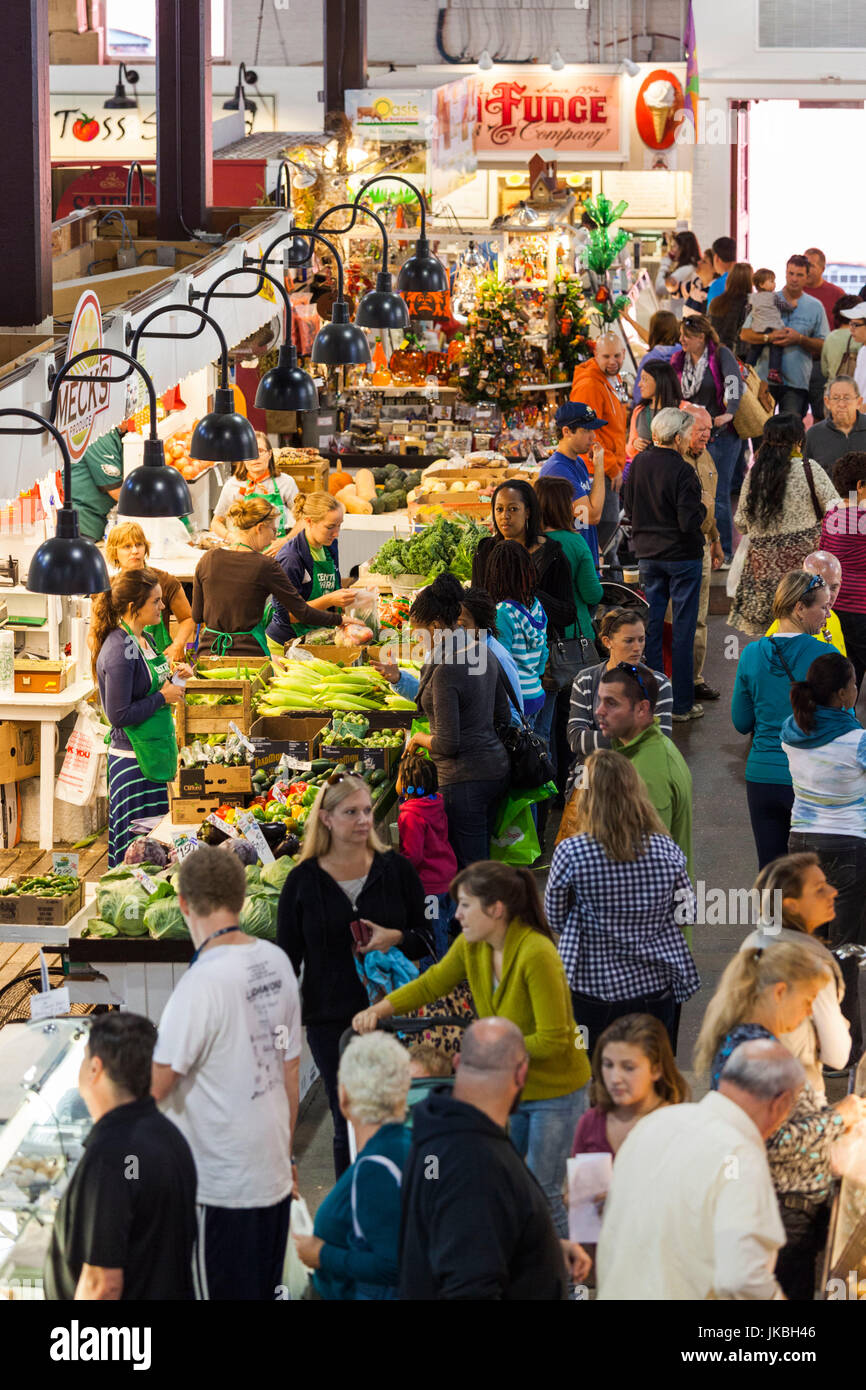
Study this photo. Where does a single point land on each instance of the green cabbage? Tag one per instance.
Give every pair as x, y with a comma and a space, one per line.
276, 874
259, 916
253, 873
97, 927
123, 907
163, 919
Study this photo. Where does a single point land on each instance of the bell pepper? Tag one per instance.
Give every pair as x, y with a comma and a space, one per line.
257, 810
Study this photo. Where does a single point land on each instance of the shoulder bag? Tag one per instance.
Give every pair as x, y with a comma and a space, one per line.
567, 656
819, 510
848, 365
530, 761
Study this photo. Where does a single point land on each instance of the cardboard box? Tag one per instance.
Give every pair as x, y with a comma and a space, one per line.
340, 656
372, 758
213, 780
42, 677
67, 16
295, 735
33, 911
82, 49
19, 751
191, 810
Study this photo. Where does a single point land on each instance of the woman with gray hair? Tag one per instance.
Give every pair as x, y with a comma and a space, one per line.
353, 1248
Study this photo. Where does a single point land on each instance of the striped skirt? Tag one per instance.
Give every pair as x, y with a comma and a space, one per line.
131, 797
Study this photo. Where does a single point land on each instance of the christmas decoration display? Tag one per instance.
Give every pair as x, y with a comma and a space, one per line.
571, 342
600, 254
492, 355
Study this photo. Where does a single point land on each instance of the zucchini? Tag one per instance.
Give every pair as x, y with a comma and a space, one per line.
380, 775
320, 765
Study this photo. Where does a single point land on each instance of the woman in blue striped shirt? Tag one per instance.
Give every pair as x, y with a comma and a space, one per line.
520, 619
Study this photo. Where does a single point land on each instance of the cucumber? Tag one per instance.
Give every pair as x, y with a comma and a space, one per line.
341, 767
380, 775
320, 765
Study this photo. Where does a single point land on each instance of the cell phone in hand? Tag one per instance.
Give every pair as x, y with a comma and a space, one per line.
362, 934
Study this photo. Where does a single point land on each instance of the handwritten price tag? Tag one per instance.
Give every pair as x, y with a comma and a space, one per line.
251, 830
223, 825
144, 879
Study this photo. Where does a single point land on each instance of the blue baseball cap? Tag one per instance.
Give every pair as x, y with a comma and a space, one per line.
575, 414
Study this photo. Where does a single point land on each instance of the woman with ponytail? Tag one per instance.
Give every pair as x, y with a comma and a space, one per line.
619, 894
137, 691
311, 563
826, 750
767, 993
506, 952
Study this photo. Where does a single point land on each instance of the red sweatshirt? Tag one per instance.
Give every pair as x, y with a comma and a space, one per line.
423, 828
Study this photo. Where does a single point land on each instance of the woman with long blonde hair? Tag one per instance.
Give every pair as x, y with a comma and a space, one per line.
127, 548
232, 587
768, 992
258, 477
348, 895
310, 560
619, 893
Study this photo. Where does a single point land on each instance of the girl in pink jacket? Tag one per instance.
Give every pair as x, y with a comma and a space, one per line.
423, 830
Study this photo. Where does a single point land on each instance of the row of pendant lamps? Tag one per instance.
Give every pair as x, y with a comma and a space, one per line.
67, 563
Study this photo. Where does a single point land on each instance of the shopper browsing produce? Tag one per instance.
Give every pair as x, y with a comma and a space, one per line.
137, 691
348, 893
520, 620
232, 587
127, 548
258, 478
310, 561
505, 950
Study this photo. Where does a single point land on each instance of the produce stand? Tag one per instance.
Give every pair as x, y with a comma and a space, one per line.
47, 711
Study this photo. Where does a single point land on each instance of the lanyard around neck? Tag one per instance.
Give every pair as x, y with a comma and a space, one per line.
223, 931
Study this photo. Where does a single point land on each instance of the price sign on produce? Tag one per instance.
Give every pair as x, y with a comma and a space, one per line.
251, 831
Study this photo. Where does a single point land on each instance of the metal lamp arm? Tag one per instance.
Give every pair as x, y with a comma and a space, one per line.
356, 208
58, 439
133, 365
207, 295
312, 235
397, 178
186, 309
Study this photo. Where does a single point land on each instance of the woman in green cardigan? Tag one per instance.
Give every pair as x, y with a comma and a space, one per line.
506, 952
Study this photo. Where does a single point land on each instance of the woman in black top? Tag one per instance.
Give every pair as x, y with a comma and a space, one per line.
345, 874
517, 517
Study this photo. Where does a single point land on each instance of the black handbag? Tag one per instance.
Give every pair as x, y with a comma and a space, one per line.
530, 761
567, 656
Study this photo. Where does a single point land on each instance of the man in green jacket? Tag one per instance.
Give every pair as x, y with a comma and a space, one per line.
625, 712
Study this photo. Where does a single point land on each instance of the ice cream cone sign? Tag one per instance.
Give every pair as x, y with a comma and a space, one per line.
656, 109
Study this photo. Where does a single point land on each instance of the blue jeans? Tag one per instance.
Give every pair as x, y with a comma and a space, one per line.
542, 1132
725, 452
680, 582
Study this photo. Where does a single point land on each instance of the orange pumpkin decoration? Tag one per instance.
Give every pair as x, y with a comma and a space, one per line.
337, 481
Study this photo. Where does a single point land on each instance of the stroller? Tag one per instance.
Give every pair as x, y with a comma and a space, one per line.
406, 1030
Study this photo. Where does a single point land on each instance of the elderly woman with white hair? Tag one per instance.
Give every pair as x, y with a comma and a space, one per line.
662, 499
354, 1245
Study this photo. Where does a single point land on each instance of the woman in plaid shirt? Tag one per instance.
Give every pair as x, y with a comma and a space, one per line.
619, 893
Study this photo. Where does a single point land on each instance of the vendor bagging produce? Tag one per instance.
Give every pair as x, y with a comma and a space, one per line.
311, 563
137, 691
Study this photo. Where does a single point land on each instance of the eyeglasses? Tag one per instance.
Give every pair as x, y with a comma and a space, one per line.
633, 671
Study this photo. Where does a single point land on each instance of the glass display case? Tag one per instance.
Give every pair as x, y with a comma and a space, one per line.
43, 1124
845, 1265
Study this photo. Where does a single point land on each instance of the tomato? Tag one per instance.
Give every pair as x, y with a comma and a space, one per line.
85, 128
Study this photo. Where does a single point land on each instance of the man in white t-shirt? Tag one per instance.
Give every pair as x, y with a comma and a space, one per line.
226, 1072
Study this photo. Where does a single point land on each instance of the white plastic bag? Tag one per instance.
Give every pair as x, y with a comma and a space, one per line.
296, 1276
735, 573
79, 780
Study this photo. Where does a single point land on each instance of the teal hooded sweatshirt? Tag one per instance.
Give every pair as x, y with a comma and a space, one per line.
761, 701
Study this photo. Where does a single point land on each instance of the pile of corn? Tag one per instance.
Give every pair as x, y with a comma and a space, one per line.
301, 684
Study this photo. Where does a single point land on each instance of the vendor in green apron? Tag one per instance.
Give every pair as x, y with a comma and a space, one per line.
232, 588
137, 695
258, 477
311, 563
127, 548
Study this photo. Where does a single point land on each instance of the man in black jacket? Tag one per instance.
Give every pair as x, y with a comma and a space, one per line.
476, 1224
662, 498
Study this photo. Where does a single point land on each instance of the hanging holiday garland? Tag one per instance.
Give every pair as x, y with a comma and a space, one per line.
570, 341
600, 254
492, 354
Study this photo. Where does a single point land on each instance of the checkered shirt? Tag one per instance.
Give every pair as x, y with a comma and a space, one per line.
620, 937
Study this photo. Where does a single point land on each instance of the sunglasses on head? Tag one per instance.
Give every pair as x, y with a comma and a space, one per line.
633, 671
816, 582
343, 777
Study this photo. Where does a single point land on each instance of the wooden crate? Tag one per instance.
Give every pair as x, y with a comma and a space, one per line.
192, 720
474, 504
311, 476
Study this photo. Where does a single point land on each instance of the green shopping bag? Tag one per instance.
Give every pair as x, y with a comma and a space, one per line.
421, 726
515, 838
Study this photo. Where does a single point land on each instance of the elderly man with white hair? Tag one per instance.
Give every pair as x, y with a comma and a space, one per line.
354, 1245
662, 498
692, 1211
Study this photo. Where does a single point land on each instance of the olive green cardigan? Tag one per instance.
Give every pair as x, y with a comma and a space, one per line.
533, 993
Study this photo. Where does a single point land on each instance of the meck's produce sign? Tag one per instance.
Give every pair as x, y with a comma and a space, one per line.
80, 402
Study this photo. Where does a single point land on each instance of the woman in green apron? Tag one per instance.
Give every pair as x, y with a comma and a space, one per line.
311, 562
232, 588
127, 548
258, 478
137, 692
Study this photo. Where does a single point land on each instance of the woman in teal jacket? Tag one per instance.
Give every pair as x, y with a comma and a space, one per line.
761, 703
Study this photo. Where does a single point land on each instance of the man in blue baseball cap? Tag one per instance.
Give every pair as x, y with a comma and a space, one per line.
576, 423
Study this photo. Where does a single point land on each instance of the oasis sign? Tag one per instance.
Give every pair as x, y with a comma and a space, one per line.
80, 402
571, 112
